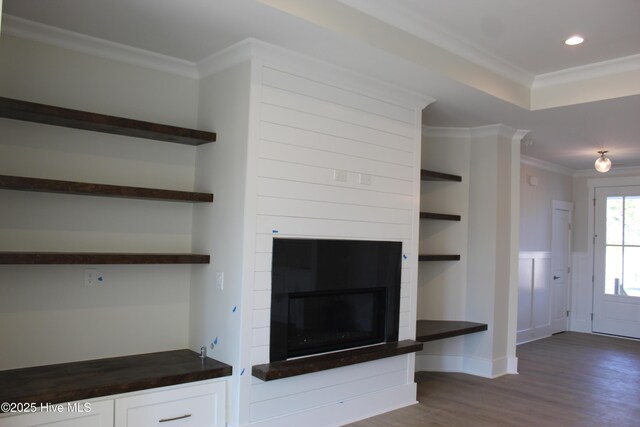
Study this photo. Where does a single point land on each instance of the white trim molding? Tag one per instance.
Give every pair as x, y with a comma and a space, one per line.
586, 72
34, 31
543, 164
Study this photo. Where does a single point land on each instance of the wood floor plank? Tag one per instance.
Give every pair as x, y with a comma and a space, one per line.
568, 380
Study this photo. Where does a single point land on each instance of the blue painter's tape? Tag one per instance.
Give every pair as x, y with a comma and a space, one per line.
404, 256
234, 308
215, 341
242, 372
274, 231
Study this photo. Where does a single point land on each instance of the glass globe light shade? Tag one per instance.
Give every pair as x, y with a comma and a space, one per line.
603, 163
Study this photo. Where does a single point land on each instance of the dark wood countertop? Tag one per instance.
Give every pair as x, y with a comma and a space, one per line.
67, 382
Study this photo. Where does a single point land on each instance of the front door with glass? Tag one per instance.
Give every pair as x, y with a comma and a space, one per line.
616, 291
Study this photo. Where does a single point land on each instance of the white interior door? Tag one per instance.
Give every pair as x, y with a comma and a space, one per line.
616, 290
560, 249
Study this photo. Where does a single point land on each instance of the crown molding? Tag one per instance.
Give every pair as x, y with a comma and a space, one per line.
615, 171
543, 164
586, 72
432, 32
497, 130
34, 31
226, 58
277, 56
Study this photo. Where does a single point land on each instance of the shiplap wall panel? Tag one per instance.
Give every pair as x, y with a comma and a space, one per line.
307, 129
322, 175
262, 391
331, 110
328, 193
299, 227
327, 395
331, 210
337, 95
323, 158
305, 138
322, 125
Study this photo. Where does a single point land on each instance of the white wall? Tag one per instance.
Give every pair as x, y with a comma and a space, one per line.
221, 168
139, 309
535, 204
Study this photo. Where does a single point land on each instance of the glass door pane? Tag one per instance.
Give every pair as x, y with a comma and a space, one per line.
622, 268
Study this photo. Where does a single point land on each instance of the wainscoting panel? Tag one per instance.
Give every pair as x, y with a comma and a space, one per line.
534, 297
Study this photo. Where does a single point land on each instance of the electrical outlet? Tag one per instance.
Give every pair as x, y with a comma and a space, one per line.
340, 175
90, 277
220, 280
365, 179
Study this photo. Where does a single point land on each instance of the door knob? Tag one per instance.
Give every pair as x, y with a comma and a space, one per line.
556, 277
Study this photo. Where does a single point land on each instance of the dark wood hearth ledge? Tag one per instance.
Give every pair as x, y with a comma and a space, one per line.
323, 362
67, 382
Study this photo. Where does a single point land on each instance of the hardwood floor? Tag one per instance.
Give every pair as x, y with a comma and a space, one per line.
567, 380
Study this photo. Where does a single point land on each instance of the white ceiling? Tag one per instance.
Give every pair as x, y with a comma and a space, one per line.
519, 39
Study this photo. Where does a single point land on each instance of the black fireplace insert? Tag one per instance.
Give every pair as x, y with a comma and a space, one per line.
332, 295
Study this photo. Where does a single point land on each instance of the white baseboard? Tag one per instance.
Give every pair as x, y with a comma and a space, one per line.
469, 365
580, 326
348, 411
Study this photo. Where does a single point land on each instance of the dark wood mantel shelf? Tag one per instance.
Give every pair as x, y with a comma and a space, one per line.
323, 362
431, 330
100, 258
68, 382
58, 116
20, 183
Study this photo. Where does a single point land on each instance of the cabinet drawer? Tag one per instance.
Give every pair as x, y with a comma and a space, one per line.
193, 406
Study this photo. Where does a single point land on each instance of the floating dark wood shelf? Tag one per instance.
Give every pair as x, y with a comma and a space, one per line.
427, 175
57, 116
431, 330
88, 189
433, 215
100, 258
68, 382
323, 362
438, 257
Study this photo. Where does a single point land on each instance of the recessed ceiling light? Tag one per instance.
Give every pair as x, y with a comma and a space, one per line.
574, 40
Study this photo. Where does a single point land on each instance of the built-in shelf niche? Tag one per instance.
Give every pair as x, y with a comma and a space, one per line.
65, 117
429, 175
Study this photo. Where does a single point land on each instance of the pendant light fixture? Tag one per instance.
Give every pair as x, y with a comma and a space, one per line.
603, 163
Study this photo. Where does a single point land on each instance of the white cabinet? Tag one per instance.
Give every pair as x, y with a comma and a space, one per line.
200, 404
194, 406
74, 414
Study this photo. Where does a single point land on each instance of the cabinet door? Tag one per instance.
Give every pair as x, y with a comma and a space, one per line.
74, 414
193, 406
